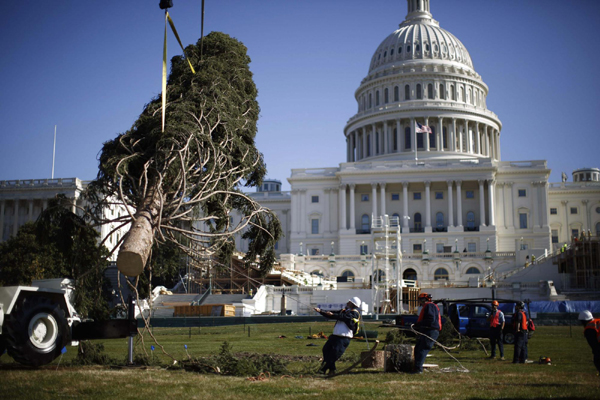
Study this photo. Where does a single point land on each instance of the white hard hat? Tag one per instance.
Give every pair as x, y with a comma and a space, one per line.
585, 316
356, 301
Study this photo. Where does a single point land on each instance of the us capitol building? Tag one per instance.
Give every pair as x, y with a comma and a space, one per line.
453, 212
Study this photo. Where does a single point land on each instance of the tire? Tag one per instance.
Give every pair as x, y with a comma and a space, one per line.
2, 345
509, 338
36, 331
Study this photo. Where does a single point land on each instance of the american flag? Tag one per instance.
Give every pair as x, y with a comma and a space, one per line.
423, 128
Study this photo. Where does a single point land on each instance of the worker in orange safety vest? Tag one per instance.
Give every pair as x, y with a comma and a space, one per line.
591, 332
496, 320
520, 328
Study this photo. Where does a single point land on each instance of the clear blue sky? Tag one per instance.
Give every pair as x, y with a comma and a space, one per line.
90, 66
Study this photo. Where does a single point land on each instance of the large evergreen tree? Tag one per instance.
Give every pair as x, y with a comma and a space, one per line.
185, 182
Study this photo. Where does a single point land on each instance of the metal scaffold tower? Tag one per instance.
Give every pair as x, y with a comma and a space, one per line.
385, 236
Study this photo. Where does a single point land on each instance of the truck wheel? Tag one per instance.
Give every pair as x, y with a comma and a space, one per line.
509, 338
2, 346
36, 331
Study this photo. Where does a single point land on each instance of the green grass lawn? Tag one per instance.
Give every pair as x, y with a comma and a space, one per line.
571, 375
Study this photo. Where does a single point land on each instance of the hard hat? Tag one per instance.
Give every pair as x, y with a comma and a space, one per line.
495, 303
520, 305
356, 301
585, 316
425, 296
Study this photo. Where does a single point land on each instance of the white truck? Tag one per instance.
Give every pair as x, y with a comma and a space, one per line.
38, 321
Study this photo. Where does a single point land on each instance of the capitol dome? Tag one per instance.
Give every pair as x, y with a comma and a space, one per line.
422, 98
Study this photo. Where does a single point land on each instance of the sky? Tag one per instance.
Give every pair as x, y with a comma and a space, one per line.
89, 67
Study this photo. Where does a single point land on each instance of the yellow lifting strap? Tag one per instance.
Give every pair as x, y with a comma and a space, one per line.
164, 71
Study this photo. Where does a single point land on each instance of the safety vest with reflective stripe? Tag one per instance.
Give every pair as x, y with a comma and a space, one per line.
520, 319
595, 325
495, 319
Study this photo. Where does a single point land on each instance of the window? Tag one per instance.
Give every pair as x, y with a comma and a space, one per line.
395, 196
444, 137
379, 275
420, 141
597, 210
364, 223
439, 220
408, 48
377, 98
418, 226
442, 92
399, 50
430, 91
396, 93
410, 274
554, 235
573, 210
419, 93
417, 248
348, 273
395, 139
407, 138
522, 193
470, 220
417, 196
314, 252
469, 194
314, 226
452, 92
553, 211
472, 247
316, 272
386, 96
418, 47
439, 247
432, 138
364, 197
522, 220
314, 199
385, 54
391, 52
440, 274
473, 270
370, 100
364, 249
406, 92
575, 233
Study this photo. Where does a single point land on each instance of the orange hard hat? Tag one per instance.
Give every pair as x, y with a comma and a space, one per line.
425, 296
495, 303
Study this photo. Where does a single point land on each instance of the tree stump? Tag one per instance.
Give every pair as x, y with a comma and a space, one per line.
375, 360
399, 358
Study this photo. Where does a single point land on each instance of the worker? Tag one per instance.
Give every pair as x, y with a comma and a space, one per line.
429, 325
520, 329
592, 334
496, 320
346, 325
533, 259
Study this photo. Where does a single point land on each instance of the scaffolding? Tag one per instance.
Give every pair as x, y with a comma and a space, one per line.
386, 239
580, 262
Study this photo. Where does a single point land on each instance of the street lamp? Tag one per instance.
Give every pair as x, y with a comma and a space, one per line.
456, 253
331, 261
425, 256
300, 254
488, 254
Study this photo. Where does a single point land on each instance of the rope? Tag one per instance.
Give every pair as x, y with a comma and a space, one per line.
463, 369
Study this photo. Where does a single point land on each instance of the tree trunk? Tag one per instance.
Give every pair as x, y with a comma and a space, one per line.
136, 247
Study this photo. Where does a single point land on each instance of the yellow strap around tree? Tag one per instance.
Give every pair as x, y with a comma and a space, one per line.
164, 71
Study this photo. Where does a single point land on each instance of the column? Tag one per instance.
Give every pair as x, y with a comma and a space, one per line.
565, 204
461, 137
16, 217
382, 195
492, 210
481, 203
400, 143
534, 205
440, 136
426, 141
342, 207
511, 219
327, 214
478, 138
459, 215
428, 205
352, 208
405, 206
450, 205
348, 148
453, 142
363, 150
386, 138
374, 200
30, 210
2, 205
469, 138
303, 211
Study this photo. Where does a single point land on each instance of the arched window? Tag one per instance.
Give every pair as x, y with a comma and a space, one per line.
317, 272
376, 143
364, 223
445, 137
470, 221
368, 145
379, 275
408, 48
464, 94
442, 92
440, 274
439, 220
370, 100
432, 138
395, 139
407, 137
430, 91
418, 226
406, 92
453, 92
473, 270
348, 273
410, 274
399, 50
386, 96
418, 48
469, 96
396, 93
396, 215
420, 140
419, 93
377, 98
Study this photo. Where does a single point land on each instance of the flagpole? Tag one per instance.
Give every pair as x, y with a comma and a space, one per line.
53, 152
415, 144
